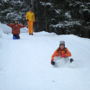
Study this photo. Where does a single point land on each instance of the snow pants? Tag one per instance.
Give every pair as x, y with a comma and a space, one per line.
30, 27
16, 37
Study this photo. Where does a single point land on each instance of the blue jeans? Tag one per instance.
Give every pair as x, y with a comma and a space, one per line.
16, 37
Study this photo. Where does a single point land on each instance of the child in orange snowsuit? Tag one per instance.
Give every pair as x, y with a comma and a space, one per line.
61, 52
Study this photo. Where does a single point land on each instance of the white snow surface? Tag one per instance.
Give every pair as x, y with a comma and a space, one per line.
25, 63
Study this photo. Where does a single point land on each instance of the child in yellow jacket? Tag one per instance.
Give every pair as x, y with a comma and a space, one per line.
30, 17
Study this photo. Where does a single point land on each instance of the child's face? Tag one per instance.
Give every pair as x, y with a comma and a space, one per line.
30, 10
16, 22
62, 46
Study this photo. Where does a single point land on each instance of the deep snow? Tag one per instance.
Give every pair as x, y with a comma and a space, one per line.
25, 63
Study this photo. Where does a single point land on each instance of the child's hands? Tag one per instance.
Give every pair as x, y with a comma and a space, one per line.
52, 62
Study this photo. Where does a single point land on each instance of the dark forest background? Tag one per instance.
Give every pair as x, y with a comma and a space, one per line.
59, 16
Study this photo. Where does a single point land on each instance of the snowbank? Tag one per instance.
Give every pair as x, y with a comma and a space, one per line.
5, 28
1, 32
25, 63
24, 30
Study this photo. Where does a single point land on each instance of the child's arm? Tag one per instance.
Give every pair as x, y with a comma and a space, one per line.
21, 26
10, 25
33, 17
54, 54
68, 53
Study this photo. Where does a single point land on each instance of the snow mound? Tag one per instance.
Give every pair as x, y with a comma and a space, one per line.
25, 63
5, 28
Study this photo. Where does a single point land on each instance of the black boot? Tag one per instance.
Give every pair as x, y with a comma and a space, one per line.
71, 60
52, 62
30, 33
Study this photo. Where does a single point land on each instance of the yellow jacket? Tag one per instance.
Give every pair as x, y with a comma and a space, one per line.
30, 16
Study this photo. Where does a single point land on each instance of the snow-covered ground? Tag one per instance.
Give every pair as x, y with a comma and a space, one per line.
25, 63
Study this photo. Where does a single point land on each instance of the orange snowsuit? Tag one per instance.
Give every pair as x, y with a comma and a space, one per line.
61, 53
30, 17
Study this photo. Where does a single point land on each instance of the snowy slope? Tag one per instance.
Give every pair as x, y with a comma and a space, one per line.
25, 63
